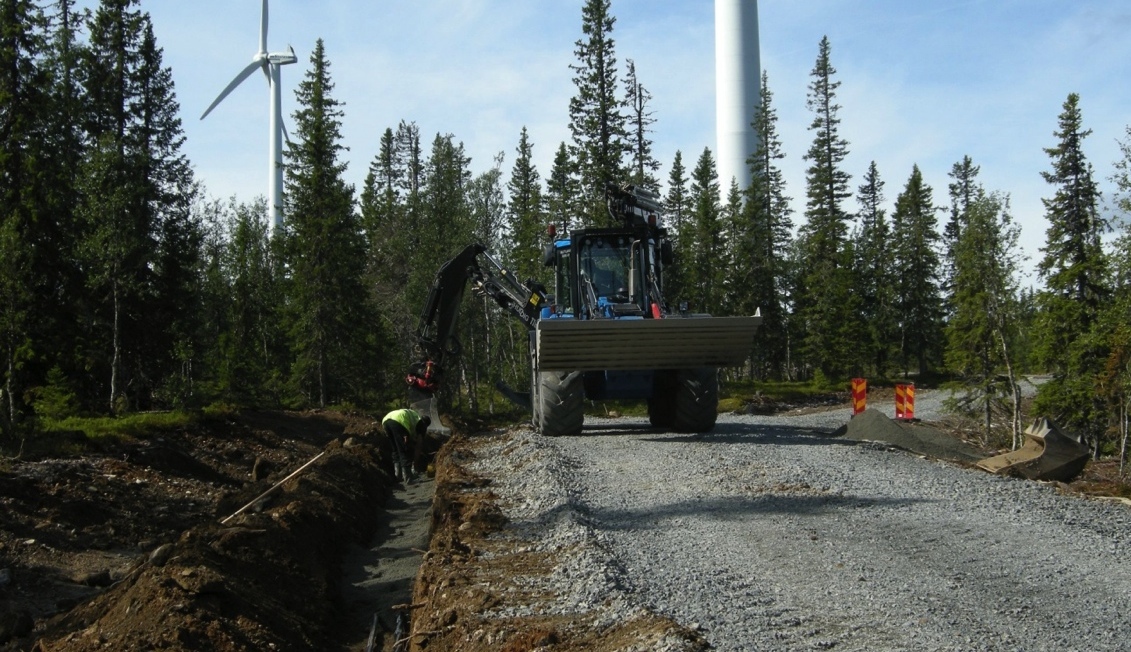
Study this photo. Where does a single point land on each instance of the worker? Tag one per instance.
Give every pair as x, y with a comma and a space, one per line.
404, 428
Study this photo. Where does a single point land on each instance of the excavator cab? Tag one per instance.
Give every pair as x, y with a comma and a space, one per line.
603, 281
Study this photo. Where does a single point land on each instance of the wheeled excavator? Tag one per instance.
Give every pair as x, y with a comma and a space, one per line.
604, 332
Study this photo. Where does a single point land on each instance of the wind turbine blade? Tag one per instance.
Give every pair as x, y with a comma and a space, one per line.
286, 136
235, 82
263, 30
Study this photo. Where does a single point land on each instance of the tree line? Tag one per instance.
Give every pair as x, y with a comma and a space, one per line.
124, 287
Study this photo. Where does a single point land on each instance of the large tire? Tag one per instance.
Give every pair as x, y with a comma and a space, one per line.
696, 400
561, 403
661, 407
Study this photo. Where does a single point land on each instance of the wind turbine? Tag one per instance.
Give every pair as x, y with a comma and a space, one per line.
269, 63
738, 81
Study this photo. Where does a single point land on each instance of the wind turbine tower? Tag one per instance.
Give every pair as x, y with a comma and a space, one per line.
738, 82
269, 63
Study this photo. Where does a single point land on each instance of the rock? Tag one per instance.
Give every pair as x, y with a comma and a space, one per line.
161, 555
96, 578
261, 469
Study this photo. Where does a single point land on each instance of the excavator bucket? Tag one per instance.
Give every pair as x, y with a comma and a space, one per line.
622, 344
1048, 454
425, 405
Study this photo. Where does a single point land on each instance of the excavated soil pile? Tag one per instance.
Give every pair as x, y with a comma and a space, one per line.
873, 425
122, 548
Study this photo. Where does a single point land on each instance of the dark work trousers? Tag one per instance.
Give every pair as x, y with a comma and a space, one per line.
401, 443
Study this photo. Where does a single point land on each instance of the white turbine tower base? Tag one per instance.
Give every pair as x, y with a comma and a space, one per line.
270, 65
738, 81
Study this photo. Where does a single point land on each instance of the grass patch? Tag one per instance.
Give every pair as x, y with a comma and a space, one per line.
130, 426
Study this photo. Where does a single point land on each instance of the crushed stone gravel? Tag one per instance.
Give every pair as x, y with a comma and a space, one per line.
770, 534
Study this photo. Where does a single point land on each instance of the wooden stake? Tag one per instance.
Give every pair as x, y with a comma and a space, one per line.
277, 485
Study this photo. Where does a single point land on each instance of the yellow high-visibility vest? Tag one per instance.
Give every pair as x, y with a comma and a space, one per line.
406, 417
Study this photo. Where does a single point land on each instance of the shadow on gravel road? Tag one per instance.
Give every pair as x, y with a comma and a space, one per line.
734, 508
735, 433
723, 433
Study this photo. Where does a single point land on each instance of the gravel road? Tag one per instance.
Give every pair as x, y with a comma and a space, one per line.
769, 534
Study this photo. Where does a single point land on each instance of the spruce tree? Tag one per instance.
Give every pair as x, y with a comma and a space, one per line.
24, 111
916, 268
727, 299
1074, 268
139, 238
380, 201
677, 219
875, 281
527, 222
762, 241
409, 157
707, 264
332, 324
562, 192
169, 193
825, 308
526, 214
596, 114
388, 204
445, 225
826, 181
487, 204
115, 231
63, 137
253, 352
677, 207
640, 120
964, 190
410, 176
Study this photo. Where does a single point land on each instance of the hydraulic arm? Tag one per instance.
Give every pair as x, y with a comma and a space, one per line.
436, 334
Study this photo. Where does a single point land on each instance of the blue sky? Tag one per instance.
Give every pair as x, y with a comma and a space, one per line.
921, 83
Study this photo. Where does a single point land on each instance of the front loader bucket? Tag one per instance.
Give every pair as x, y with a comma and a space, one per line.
1048, 454
671, 343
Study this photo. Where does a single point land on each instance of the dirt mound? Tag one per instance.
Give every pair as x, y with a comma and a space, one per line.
267, 581
120, 546
873, 425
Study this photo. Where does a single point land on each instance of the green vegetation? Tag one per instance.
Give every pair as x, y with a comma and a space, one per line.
131, 426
